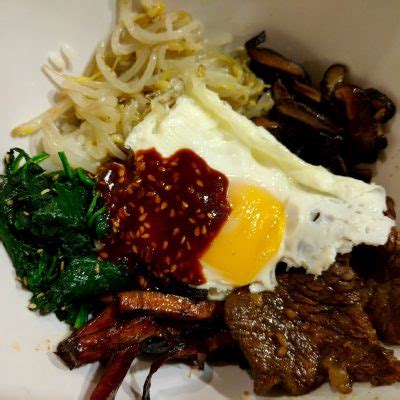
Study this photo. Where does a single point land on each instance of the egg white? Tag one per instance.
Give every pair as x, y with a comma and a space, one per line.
326, 214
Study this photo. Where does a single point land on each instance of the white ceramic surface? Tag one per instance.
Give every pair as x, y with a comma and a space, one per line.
365, 34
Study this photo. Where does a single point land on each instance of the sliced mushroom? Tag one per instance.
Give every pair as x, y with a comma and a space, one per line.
280, 91
333, 76
307, 91
307, 116
267, 123
256, 40
271, 59
385, 108
365, 134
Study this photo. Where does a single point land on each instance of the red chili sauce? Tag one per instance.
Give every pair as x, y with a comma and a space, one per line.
166, 210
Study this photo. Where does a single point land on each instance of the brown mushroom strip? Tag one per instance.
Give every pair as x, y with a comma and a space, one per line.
366, 138
333, 76
385, 108
274, 60
267, 123
117, 368
307, 115
307, 91
280, 91
256, 40
78, 350
168, 305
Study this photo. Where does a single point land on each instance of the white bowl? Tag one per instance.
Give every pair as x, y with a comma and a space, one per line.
364, 34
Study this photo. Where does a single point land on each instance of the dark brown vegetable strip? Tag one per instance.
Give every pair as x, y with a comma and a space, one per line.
307, 91
280, 91
202, 344
366, 138
105, 320
274, 60
117, 368
78, 350
267, 123
333, 76
308, 116
385, 108
168, 305
256, 40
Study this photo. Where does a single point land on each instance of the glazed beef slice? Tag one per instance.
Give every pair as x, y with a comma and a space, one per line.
310, 330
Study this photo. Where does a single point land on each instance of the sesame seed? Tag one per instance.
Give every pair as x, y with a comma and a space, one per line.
25, 281
63, 308
175, 231
143, 217
142, 281
39, 251
151, 178
184, 204
145, 236
116, 224
129, 190
135, 249
62, 265
164, 205
55, 177
174, 164
146, 225
168, 260
201, 216
103, 254
141, 209
188, 246
200, 183
158, 199
197, 231
192, 220
121, 172
141, 229
198, 172
178, 254
183, 240
41, 294
138, 233
185, 280
173, 268
121, 180
167, 187
161, 168
165, 244
172, 213
26, 213
32, 306
97, 268
10, 202
204, 230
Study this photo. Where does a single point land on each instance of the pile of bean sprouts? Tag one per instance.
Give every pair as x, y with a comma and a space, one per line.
142, 63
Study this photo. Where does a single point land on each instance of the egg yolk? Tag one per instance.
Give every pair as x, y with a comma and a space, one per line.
251, 236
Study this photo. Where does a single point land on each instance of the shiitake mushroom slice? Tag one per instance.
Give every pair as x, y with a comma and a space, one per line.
307, 91
280, 91
384, 107
364, 130
272, 59
307, 116
333, 76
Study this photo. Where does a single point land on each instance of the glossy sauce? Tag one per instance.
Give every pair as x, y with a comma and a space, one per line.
167, 211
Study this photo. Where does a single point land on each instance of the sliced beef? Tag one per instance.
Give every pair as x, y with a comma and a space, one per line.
310, 330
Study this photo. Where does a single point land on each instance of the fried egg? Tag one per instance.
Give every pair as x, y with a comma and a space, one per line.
283, 209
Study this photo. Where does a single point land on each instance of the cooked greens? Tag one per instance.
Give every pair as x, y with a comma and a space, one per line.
49, 224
